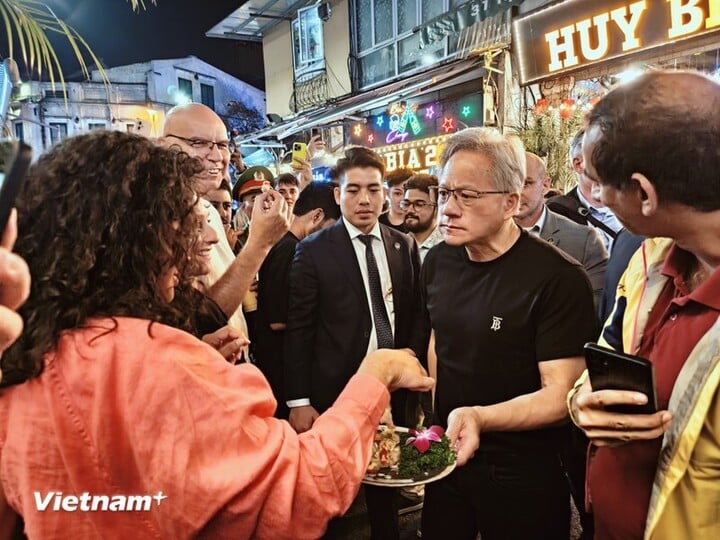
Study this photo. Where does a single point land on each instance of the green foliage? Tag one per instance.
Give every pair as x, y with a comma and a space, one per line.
548, 135
414, 464
243, 119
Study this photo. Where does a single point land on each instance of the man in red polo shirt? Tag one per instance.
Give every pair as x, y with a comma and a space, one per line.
654, 148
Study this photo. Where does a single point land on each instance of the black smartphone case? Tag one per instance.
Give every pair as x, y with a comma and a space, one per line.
612, 370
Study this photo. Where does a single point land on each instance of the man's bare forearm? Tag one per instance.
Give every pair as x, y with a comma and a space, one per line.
543, 408
229, 290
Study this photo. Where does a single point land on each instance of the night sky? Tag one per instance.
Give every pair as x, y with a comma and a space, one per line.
172, 29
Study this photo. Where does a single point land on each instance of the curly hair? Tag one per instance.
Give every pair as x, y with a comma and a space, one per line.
101, 217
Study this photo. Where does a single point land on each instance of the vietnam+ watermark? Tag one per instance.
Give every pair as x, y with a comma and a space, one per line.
57, 501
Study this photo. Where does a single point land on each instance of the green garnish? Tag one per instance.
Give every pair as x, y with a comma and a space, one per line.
416, 464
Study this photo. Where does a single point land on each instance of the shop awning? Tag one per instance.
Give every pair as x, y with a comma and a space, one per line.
255, 18
347, 107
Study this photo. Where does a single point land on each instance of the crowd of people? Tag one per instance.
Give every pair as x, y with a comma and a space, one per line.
236, 367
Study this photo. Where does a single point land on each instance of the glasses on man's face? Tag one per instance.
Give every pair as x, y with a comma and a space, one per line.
417, 205
204, 144
464, 197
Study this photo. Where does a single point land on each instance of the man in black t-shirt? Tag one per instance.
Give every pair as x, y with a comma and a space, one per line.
395, 215
314, 209
510, 314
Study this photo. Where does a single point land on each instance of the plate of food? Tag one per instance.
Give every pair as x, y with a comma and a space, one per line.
408, 457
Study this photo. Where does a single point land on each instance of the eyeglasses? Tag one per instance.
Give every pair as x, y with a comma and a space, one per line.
417, 205
199, 144
464, 197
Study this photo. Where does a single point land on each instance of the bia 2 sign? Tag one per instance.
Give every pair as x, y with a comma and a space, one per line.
578, 33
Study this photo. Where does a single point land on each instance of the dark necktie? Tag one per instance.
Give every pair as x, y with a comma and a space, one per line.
380, 317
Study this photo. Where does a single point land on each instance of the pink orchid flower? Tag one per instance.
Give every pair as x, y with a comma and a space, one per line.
421, 439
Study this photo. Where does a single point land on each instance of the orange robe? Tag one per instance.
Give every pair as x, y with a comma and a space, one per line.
128, 409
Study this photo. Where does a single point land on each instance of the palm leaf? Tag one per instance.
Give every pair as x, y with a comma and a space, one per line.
29, 22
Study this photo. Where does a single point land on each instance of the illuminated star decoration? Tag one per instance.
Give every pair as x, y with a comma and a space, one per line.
448, 124
429, 112
466, 111
380, 121
371, 138
358, 130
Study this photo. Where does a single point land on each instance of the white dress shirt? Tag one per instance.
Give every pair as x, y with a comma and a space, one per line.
537, 227
221, 257
605, 216
378, 248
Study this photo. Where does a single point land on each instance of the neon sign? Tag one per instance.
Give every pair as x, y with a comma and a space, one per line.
595, 31
400, 116
414, 155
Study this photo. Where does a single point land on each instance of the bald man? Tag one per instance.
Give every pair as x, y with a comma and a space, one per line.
198, 131
653, 146
582, 243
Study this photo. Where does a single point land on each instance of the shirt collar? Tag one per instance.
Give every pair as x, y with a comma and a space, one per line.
675, 267
431, 241
540, 223
602, 210
354, 232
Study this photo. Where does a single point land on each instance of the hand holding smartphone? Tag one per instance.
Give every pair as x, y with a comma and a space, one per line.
299, 152
611, 370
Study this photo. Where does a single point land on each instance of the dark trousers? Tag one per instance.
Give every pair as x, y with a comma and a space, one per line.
382, 512
575, 462
503, 496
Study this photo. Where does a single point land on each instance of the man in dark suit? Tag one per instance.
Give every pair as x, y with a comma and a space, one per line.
353, 289
580, 242
580, 205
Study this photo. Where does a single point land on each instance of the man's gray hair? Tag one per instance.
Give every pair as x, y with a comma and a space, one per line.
505, 153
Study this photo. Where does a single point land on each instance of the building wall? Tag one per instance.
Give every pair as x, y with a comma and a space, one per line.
136, 100
277, 52
43, 116
161, 77
277, 57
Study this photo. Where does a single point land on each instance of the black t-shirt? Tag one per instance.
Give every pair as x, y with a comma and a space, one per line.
384, 218
273, 294
494, 321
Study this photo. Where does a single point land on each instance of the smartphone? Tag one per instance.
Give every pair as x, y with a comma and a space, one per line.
15, 159
613, 370
299, 151
314, 132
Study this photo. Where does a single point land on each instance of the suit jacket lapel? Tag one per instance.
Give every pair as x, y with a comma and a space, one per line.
550, 229
395, 263
344, 254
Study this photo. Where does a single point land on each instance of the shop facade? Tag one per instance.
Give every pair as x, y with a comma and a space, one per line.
417, 69
568, 54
